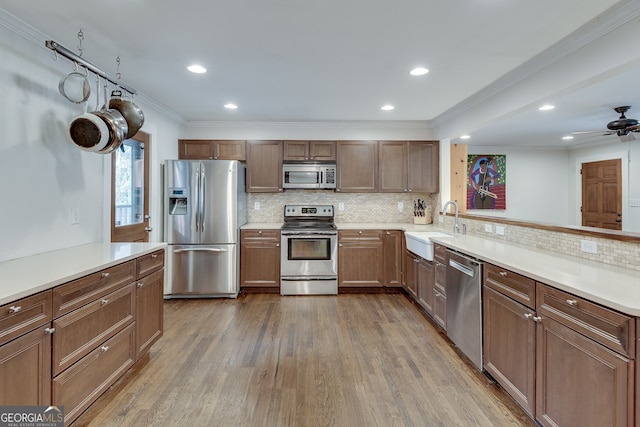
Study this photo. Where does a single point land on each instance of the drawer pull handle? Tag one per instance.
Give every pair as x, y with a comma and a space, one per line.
105, 275
572, 302
528, 315
537, 318
140, 284
503, 273
14, 309
50, 331
104, 348
105, 301
154, 256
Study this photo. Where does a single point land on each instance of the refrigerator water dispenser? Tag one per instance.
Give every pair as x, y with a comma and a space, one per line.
178, 201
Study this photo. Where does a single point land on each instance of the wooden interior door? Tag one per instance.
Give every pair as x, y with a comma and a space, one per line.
602, 194
130, 190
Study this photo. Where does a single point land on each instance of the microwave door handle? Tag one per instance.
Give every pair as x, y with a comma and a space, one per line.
321, 177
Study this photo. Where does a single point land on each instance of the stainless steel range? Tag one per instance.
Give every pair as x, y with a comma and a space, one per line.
309, 251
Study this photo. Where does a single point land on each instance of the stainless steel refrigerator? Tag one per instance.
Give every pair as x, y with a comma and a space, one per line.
204, 206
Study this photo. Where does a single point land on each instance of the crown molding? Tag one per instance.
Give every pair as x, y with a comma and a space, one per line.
335, 124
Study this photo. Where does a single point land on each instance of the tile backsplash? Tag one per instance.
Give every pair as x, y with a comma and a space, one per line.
358, 207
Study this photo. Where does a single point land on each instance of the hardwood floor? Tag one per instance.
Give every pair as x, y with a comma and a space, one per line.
266, 360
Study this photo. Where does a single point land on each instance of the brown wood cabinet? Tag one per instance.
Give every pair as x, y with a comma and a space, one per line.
25, 351
264, 166
149, 301
565, 360
318, 151
357, 163
411, 274
408, 166
260, 259
440, 287
425, 283
392, 258
209, 149
360, 258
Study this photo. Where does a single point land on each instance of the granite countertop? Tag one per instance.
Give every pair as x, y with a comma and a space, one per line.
26, 276
351, 226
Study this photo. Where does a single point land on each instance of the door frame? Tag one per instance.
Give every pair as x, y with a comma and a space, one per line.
624, 160
145, 138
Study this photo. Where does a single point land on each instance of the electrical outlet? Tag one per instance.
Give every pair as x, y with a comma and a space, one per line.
400, 206
499, 230
75, 216
634, 203
341, 206
440, 218
488, 228
256, 206
589, 246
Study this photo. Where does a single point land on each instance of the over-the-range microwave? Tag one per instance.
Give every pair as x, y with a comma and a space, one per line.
309, 175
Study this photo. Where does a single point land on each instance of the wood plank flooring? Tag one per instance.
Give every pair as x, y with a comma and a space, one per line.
266, 360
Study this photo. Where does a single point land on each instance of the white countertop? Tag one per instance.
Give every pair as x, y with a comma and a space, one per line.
615, 287
350, 226
26, 276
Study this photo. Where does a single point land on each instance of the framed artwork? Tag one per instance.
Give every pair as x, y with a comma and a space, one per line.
486, 181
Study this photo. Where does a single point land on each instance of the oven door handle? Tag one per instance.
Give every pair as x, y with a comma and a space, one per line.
306, 278
309, 233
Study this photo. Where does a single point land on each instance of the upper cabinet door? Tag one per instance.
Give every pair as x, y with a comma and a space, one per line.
264, 166
296, 150
209, 149
392, 175
314, 151
423, 166
357, 163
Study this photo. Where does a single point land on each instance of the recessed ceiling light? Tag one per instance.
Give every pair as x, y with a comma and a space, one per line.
465, 137
198, 69
419, 71
567, 137
387, 107
230, 106
547, 107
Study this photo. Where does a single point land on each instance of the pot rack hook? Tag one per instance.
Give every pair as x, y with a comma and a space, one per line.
118, 73
80, 38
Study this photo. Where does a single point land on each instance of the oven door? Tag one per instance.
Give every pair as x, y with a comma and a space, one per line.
309, 253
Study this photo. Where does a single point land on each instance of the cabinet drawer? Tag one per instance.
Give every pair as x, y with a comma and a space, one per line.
359, 235
149, 263
75, 294
440, 308
80, 331
79, 386
439, 253
260, 235
24, 315
441, 277
513, 285
607, 327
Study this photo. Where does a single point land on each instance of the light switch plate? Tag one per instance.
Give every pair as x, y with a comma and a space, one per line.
400, 206
256, 206
488, 228
634, 203
341, 206
499, 230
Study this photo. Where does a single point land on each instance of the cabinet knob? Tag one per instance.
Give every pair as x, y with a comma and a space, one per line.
105, 301
14, 309
260, 232
50, 331
140, 284
277, 244
388, 232
572, 302
360, 232
154, 256
503, 273
537, 318
339, 244
105, 275
104, 348
528, 315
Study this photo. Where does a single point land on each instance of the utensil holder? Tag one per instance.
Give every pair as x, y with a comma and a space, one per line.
420, 220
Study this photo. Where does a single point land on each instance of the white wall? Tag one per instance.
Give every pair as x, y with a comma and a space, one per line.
43, 174
537, 185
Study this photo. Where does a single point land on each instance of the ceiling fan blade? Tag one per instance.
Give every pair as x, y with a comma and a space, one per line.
627, 137
603, 132
635, 128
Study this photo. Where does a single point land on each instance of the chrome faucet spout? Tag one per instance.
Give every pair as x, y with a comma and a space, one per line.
456, 226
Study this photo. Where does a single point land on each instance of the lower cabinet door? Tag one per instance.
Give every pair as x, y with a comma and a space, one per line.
149, 311
580, 382
80, 385
25, 370
510, 346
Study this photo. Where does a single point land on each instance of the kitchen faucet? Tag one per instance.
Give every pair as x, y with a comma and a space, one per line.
456, 227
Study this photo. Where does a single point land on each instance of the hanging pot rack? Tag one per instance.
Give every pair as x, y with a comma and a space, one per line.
63, 51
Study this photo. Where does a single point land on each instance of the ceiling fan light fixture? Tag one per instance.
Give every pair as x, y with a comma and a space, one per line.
547, 107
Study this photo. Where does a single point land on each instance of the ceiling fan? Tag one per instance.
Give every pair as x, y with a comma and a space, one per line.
623, 127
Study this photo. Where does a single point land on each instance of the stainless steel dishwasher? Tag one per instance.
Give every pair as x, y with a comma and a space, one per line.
464, 305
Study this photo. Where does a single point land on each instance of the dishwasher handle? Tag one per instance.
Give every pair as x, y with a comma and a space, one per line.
462, 268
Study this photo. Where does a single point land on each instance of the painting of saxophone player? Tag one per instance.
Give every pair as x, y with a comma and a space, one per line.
486, 186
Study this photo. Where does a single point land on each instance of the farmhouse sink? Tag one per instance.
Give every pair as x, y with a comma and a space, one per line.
419, 242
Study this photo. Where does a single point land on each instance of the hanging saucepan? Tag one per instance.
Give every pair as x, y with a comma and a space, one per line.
130, 111
75, 86
88, 131
116, 122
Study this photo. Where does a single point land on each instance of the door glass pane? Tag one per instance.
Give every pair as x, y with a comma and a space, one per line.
129, 182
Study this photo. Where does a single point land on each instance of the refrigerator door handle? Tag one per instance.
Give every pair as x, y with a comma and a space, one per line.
202, 199
196, 205
175, 251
